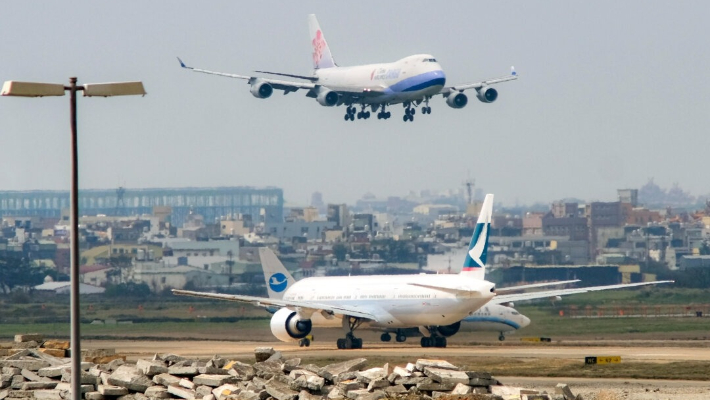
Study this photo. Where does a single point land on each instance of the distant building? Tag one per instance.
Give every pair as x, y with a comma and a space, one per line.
65, 288
629, 196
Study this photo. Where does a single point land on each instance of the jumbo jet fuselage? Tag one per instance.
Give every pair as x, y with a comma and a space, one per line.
408, 79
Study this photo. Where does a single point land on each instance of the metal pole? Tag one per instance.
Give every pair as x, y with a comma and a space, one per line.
74, 217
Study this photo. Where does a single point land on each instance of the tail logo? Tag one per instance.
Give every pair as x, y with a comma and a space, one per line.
278, 282
318, 46
477, 254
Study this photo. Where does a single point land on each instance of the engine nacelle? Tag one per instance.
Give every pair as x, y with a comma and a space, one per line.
487, 94
457, 100
449, 330
288, 327
261, 89
327, 98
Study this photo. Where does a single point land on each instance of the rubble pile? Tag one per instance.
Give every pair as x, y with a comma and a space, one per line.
33, 374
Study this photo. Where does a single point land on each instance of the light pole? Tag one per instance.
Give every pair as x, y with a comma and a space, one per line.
37, 89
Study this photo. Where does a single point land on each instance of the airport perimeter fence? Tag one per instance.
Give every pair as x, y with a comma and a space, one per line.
637, 311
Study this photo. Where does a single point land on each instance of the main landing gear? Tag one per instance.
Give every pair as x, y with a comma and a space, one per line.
501, 337
431, 338
409, 112
433, 341
400, 337
350, 341
426, 109
383, 114
350, 113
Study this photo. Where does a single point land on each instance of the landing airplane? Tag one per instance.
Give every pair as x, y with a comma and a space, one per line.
408, 81
436, 303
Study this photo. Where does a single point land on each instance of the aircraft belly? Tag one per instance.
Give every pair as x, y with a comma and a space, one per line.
485, 326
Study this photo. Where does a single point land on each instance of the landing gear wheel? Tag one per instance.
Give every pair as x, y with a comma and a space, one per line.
405, 118
385, 337
304, 342
341, 344
501, 337
425, 342
400, 338
439, 342
412, 111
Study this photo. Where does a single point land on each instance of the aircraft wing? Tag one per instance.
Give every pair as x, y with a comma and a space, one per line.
266, 302
286, 86
509, 298
477, 85
534, 285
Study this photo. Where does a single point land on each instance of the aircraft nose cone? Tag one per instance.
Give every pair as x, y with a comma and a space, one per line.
526, 321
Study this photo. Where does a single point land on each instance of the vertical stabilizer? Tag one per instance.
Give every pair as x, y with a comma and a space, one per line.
475, 263
321, 52
278, 279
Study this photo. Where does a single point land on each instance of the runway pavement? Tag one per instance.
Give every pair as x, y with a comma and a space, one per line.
135, 349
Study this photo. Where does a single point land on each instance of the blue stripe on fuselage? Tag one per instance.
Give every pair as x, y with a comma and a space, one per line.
492, 319
418, 82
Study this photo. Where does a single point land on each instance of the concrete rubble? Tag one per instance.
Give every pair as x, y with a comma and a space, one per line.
31, 374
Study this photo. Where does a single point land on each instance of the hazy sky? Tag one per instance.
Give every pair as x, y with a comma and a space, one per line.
610, 94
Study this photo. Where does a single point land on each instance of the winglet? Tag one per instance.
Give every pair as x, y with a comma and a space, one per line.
182, 64
512, 71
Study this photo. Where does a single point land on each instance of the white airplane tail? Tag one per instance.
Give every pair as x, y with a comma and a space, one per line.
278, 279
475, 263
321, 52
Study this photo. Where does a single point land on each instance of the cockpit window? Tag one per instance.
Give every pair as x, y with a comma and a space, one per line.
430, 60
515, 313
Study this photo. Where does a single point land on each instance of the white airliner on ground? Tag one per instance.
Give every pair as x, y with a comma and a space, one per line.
435, 303
489, 318
409, 81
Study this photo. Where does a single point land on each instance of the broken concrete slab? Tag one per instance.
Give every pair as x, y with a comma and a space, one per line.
151, 368
461, 389
131, 378
187, 384
371, 374
446, 375
213, 380
29, 337
396, 389
280, 390
331, 371
181, 392
94, 396
422, 363
430, 385
180, 370
30, 364
38, 385
111, 390
202, 391
53, 372
565, 391
166, 379
263, 353
51, 394
157, 392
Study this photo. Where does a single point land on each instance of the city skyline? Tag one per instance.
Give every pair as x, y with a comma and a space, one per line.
609, 96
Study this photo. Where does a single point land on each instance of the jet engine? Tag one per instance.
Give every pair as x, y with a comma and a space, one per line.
457, 100
327, 98
449, 330
487, 94
288, 327
261, 89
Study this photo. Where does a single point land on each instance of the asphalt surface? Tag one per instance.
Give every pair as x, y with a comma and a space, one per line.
135, 349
